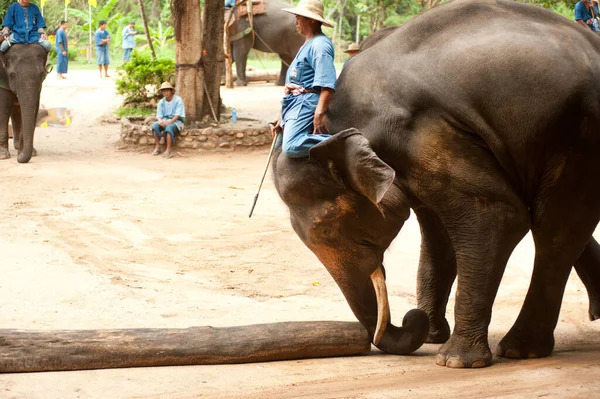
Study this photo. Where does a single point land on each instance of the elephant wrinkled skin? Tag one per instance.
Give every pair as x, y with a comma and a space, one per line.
484, 118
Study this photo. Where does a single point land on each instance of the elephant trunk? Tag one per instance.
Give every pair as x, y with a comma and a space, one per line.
29, 109
392, 339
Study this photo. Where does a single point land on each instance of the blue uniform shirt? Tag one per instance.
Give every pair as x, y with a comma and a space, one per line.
168, 109
581, 13
101, 35
61, 37
24, 22
312, 69
128, 40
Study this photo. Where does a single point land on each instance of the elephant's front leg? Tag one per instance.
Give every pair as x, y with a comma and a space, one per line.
437, 272
17, 126
484, 233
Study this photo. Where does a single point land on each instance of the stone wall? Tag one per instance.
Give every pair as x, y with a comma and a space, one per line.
136, 132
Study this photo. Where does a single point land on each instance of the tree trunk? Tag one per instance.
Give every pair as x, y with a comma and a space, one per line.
213, 56
145, 22
187, 21
31, 351
155, 10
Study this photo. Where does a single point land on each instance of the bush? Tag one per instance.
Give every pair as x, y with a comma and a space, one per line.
142, 77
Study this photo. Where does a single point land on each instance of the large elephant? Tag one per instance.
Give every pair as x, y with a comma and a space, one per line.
22, 72
483, 117
274, 32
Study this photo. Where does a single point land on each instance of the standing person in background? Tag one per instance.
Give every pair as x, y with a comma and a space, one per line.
102, 38
62, 49
353, 49
128, 41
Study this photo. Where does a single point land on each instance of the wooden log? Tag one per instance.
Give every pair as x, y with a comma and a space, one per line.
33, 350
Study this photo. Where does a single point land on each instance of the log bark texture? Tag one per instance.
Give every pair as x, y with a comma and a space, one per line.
62, 350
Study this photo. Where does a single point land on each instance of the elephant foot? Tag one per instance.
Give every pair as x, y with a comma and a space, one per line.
520, 345
34, 153
240, 82
438, 333
280, 83
4, 153
459, 352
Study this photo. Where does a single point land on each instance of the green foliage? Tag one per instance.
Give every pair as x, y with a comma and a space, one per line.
137, 110
143, 76
115, 21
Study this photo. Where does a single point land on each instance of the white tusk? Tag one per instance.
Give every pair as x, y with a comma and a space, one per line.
383, 306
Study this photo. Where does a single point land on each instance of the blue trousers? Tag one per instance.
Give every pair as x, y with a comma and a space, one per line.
62, 62
171, 129
11, 40
298, 137
102, 55
127, 54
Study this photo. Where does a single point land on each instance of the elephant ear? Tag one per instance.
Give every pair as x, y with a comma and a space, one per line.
352, 155
3, 73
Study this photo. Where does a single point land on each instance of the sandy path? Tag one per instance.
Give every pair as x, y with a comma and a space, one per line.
97, 238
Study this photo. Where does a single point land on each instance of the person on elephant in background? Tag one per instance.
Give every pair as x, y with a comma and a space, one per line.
309, 84
102, 38
170, 113
62, 48
352, 50
583, 14
27, 24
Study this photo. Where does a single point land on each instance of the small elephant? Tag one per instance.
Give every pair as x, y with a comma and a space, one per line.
274, 32
22, 72
475, 116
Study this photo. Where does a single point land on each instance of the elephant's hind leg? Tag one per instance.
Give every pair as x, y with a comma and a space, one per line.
437, 272
588, 269
563, 220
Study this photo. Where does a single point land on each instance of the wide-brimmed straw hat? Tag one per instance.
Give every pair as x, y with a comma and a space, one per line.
353, 48
166, 86
312, 9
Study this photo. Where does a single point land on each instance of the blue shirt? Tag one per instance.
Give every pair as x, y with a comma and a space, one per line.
168, 109
312, 68
581, 13
101, 35
61, 37
229, 3
24, 22
128, 40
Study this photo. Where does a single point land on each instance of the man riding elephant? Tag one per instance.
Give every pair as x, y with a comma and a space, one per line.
483, 117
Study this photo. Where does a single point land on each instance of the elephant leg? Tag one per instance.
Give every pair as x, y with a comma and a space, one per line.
563, 221
17, 125
437, 272
5, 109
588, 269
484, 232
283, 71
241, 48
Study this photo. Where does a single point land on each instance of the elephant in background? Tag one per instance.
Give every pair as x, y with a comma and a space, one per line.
376, 37
22, 72
274, 32
477, 122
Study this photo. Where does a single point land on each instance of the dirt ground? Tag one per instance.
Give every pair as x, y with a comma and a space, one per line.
93, 237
